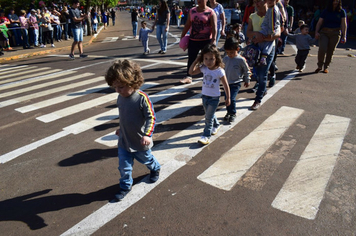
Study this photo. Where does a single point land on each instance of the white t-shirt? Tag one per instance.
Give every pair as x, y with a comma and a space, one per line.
211, 81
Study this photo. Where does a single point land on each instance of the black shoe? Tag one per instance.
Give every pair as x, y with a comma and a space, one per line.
227, 116
160, 51
83, 56
232, 118
154, 175
122, 193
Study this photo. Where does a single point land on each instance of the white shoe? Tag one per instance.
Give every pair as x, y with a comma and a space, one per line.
215, 130
148, 50
204, 140
42, 46
53, 46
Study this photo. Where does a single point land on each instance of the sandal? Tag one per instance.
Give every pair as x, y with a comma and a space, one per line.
186, 80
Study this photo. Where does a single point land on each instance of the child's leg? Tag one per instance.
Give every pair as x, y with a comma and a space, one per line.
125, 168
234, 90
210, 105
303, 58
297, 60
146, 158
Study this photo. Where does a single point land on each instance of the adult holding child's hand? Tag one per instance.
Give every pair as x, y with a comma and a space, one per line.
331, 25
202, 23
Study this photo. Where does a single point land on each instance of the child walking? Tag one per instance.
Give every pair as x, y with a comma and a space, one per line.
303, 42
137, 122
269, 26
210, 64
237, 70
143, 36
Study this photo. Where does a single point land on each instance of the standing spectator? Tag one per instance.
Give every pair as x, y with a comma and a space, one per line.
56, 25
332, 20
24, 29
113, 16
179, 13
220, 19
77, 29
137, 123
236, 14
250, 8
162, 22
261, 71
14, 26
47, 30
289, 24
94, 20
40, 36
4, 37
66, 20
202, 23
134, 21
33, 22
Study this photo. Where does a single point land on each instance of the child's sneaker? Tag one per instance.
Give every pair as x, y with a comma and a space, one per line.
204, 140
215, 130
263, 61
232, 118
122, 193
154, 175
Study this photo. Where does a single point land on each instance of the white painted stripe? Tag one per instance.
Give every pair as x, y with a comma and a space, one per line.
25, 149
11, 67
44, 85
3, 74
49, 91
161, 61
111, 139
30, 81
304, 189
82, 106
110, 39
29, 74
225, 172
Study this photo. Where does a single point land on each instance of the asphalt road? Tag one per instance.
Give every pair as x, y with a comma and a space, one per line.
288, 168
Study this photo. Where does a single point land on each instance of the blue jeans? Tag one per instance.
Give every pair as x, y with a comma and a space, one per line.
262, 76
284, 41
218, 35
25, 42
161, 31
58, 32
134, 28
210, 105
126, 161
17, 34
77, 34
234, 90
35, 37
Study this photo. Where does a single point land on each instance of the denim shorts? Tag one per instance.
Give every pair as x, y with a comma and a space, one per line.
78, 34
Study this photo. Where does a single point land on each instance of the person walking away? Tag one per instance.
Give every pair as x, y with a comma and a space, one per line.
134, 21
113, 16
178, 16
303, 42
202, 25
329, 29
137, 123
77, 29
220, 19
210, 64
143, 37
162, 23
237, 70
289, 24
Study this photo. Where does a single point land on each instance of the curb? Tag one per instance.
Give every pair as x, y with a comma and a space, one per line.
27, 55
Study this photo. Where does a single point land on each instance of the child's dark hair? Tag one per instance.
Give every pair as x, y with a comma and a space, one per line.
304, 26
214, 50
231, 44
143, 22
126, 72
236, 26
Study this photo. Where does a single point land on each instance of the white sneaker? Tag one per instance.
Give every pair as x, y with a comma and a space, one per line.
215, 130
42, 46
53, 46
204, 140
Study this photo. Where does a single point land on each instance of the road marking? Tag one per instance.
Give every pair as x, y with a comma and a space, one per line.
28, 74
30, 81
304, 189
50, 91
15, 69
110, 39
233, 164
44, 85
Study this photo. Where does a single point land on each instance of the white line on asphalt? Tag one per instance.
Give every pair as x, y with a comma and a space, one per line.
43, 85
110, 39
28, 74
17, 69
304, 189
233, 164
30, 81
49, 91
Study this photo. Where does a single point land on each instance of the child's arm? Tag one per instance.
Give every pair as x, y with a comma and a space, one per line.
247, 73
140, 35
226, 89
194, 68
150, 119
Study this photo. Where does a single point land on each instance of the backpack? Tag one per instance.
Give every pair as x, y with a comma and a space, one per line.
252, 54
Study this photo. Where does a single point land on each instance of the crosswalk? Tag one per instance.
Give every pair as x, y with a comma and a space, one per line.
301, 194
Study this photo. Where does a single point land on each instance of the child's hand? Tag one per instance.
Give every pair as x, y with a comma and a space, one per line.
247, 84
145, 141
117, 132
227, 102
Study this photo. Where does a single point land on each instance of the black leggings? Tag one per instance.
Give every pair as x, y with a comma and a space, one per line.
47, 35
193, 49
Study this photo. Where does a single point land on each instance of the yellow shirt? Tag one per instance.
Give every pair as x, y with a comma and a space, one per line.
256, 21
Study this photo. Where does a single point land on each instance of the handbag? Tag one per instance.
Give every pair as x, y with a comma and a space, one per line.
184, 42
95, 21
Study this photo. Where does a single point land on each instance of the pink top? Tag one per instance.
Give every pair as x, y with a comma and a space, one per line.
23, 22
33, 21
201, 27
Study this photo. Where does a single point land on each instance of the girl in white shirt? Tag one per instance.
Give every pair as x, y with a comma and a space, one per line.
210, 64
